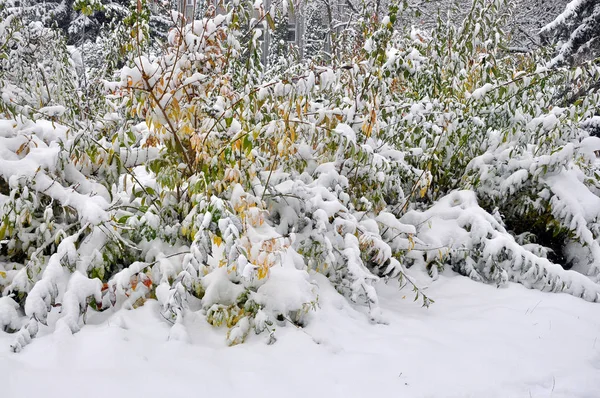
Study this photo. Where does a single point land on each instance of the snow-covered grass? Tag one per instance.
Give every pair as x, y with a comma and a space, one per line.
475, 341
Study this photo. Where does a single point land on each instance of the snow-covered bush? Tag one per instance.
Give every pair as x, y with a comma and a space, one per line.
472, 117
60, 161
268, 169
200, 181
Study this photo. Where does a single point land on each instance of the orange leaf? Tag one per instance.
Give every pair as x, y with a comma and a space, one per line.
147, 282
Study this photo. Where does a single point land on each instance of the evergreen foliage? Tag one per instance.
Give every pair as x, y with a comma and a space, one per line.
576, 32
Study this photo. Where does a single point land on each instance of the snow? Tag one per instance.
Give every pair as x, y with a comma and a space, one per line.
479, 93
568, 186
219, 289
280, 293
475, 341
9, 318
52, 111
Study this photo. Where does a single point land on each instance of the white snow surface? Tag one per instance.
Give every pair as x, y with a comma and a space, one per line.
475, 341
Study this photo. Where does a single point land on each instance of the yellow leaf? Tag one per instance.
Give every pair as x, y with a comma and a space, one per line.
262, 272
411, 242
367, 128
175, 105
23, 148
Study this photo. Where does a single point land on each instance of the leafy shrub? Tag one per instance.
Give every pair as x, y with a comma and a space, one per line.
201, 181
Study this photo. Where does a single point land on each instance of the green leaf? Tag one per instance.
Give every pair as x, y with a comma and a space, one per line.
123, 219
270, 21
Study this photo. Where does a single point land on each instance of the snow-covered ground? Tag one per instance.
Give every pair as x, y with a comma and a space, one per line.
475, 341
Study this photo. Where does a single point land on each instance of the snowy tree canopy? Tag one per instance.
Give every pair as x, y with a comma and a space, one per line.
576, 31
